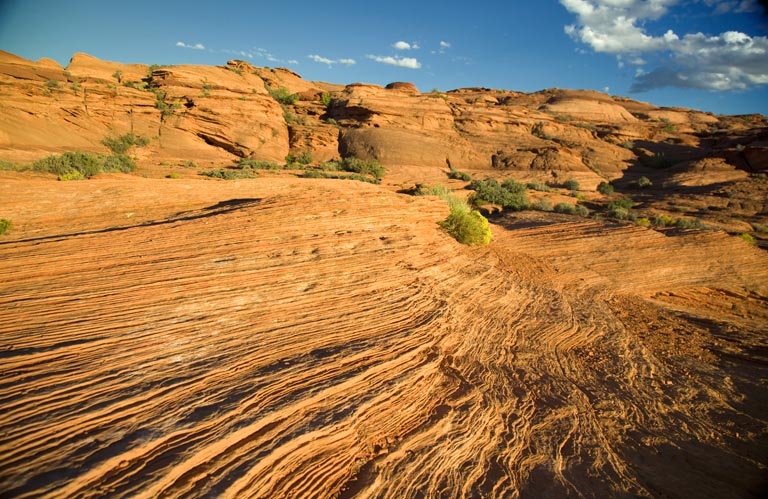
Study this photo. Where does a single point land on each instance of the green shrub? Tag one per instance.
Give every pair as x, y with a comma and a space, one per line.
566, 208
7, 165
619, 213
458, 175
173, 175
121, 144
118, 163
257, 164
509, 195
642, 183
605, 188
543, 205
467, 226
628, 144
745, 236
5, 225
538, 186
73, 175
283, 96
581, 210
229, 174
326, 100
86, 164
571, 185
622, 202
341, 176
437, 190
643, 222
663, 221
688, 223
52, 85
363, 167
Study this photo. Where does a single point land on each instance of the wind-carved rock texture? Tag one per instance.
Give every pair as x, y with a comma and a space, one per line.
289, 337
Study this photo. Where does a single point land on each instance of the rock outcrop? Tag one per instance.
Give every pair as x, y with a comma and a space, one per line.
236, 110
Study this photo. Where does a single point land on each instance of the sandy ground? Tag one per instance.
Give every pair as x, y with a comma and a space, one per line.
315, 338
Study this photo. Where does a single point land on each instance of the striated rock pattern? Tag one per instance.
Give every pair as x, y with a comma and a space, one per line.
305, 338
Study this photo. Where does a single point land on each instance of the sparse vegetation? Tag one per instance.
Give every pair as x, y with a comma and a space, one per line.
5, 225
173, 175
304, 158
542, 205
363, 167
326, 100
605, 188
643, 183
510, 195
571, 184
745, 236
459, 175
121, 144
118, 75
7, 165
283, 96
627, 144
538, 186
466, 225
75, 165
51, 86
257, 164
229, 173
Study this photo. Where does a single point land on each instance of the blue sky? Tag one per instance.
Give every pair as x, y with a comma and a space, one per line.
703, 54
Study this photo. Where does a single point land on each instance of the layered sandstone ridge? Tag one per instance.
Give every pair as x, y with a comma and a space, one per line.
224, 113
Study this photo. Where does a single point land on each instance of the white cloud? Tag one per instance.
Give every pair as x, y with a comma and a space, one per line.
196, 46
444, 45
403, 62
402, 45
728, 61
331, 62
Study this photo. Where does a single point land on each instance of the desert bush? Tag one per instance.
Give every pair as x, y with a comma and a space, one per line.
436, 190
538, 186
466, 225
229, 174
509, 195
86, 164
762, 229
121, 144
571, 185
622, 202
257, 164
745, 236
628, 144
173, 175
566, 208
7, 165
542, 205
605, 188
283, 95
138, 85
643, 222
662, 221
581, 210
363, 167
52, 85
688, 223
73, 175
459, 175
340, 176
5, 225
326, 100
642, 183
